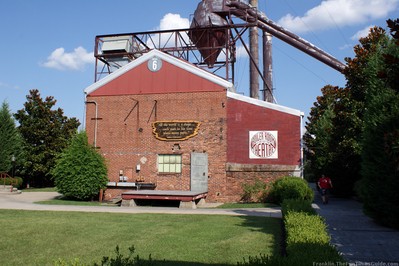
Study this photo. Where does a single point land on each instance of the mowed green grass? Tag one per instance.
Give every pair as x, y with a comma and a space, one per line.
41, 237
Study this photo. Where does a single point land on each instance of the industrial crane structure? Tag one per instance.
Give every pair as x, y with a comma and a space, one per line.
210, 43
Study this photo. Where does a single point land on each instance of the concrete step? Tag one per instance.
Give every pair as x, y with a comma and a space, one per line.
116, 200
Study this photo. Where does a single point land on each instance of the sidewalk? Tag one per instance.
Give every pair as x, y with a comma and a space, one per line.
26, 201
355, 235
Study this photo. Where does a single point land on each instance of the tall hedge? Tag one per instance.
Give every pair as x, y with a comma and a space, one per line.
307, 240
379, 185
80, 172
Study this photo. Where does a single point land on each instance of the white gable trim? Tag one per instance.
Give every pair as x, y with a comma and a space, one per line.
172, 60
261, 103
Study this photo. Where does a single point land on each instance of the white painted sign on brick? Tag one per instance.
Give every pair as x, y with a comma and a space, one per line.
263, 144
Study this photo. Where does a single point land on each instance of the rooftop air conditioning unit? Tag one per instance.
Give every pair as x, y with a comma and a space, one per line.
117, 44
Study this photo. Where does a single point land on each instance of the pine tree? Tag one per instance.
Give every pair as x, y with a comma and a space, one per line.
10, 141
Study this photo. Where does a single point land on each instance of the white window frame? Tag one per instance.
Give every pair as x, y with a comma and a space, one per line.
169, 163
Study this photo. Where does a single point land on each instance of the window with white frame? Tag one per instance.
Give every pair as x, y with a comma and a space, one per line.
169, 163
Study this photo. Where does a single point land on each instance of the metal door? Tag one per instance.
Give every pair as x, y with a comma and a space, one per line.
199, 172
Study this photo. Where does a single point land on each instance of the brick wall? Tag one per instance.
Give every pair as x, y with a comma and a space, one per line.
125, 138
243, 117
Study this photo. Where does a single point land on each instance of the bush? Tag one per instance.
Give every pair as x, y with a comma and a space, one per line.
121, 260
254, 192
290, 188
118, 260
307, 234
14, 181
307, 240
297, 206
80, 172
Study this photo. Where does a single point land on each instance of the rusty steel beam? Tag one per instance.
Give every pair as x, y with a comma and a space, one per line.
283, 34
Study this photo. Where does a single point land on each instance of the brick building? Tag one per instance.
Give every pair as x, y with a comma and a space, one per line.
165, 124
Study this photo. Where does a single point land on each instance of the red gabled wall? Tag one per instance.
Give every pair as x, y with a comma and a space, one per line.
243, 117
169, 79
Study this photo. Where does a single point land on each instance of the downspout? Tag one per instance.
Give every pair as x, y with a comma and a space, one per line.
95, 124
302, 161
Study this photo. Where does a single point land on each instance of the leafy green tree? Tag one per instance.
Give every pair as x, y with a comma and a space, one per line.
337, 121
80, 171
362, 124
318, 131
332, 139
380, 165
10, 141
46, 133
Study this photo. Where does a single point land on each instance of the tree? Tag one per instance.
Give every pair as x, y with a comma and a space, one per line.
363, 121
380, 158
80, 172
46, 133
332, 139
318, 131
10, 140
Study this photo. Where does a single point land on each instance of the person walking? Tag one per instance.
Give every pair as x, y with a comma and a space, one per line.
325, 185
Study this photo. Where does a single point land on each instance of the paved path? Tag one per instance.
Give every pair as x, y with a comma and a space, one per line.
26, 201
356, 236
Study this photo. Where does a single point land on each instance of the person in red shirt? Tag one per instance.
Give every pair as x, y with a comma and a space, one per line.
325, 185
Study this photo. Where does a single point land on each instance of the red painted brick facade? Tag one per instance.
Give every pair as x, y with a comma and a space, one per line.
243, 117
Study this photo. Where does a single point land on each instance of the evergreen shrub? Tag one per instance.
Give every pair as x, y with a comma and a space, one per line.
307, 240
290, 188
80, 172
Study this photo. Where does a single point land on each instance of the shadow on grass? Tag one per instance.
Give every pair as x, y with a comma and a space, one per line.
186, 263
268, 225
62, 200
240, 205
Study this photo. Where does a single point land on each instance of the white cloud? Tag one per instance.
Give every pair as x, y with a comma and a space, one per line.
76, 60
331, 13
168, 22
173, 21
362, 33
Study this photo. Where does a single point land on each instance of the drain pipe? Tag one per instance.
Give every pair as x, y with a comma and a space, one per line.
96, 119
302, 159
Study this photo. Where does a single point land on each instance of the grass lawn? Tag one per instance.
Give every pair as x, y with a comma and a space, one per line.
61, 201
246, 205
44, 189
41, 238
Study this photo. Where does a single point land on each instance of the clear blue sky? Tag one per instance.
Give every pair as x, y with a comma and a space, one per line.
48, 44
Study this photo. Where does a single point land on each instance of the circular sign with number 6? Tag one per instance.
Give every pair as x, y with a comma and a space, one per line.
154, 64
